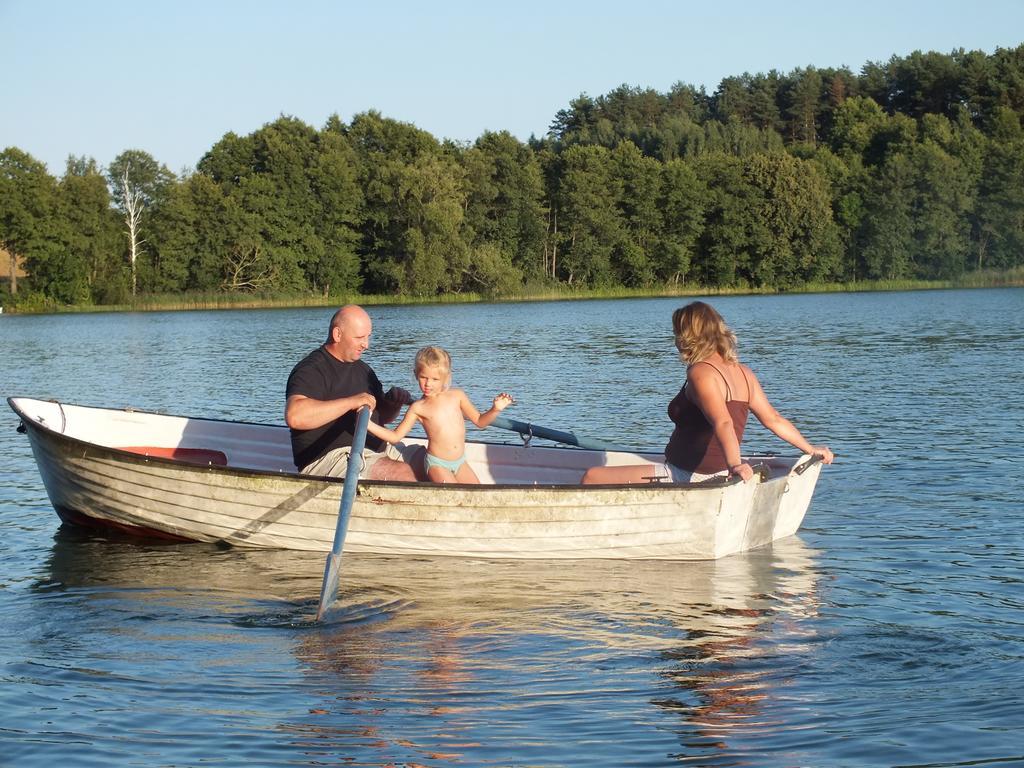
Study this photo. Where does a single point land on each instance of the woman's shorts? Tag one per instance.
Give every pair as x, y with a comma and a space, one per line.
676, 474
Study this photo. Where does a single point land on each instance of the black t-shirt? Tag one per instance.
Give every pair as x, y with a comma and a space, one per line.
322, 376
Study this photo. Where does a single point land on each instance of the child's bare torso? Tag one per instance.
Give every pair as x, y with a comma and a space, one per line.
444, 423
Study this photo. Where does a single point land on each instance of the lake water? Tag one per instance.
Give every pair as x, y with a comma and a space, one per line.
888, 632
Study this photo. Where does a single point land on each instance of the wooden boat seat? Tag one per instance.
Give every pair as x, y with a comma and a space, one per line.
191, 455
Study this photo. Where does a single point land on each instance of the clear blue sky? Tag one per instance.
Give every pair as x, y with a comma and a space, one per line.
171, 77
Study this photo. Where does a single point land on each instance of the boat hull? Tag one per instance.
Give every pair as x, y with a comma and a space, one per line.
103, 485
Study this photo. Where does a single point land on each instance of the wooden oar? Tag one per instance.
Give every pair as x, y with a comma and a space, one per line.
568, 438
329, 590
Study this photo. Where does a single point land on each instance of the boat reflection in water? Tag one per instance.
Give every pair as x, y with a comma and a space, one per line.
476, 661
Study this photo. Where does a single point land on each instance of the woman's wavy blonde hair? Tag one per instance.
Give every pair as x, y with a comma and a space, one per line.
700, 332
433, 357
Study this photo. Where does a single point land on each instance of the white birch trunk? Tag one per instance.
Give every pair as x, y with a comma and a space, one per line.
132, 199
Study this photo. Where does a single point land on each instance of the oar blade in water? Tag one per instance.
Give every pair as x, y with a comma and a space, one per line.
329, 589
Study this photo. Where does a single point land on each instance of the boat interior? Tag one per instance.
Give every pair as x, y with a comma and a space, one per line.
267, 447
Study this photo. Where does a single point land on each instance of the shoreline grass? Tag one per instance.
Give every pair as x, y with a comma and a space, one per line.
213, 301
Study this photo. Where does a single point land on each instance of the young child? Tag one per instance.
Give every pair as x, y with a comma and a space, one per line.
443, 412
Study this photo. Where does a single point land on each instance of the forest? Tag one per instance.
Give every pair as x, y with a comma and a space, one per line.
908, 169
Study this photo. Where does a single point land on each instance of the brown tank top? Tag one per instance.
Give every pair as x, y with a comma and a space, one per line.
693, 445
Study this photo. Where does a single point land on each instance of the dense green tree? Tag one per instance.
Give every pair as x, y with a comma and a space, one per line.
292, 204
415, 205
999, 214
28, 226
948, 166
1007, 87
279, 194
334, 180
874, 83
856, 122
193, 232
274, 233
688, 102
862, 129
93, 268
886, 240
799, 241
941, 208
552, 167
733, 100
575, 125
979, 75
674, 136
432, 205
803, 97
174, 224
373, 135
764, 101
638, 181
848, 182
732, 226
671, 138
504, 201
490, 271
229, 160
925, 83
681, 203
737, 138
589, 215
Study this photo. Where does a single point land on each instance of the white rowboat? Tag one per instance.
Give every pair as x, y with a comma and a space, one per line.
199, 479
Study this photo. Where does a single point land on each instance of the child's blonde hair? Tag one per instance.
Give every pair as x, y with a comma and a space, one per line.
433, 357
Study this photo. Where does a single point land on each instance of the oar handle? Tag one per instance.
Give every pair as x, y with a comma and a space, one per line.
802, 467
568, 438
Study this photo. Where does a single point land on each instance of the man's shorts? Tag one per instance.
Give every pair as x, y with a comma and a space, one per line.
335, 463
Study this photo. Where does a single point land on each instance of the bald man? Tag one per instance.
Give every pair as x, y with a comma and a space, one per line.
324, 392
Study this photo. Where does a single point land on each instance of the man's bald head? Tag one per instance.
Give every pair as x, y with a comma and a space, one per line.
349, 333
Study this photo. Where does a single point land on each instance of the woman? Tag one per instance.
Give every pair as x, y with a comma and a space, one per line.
710, 411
